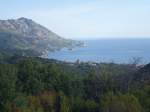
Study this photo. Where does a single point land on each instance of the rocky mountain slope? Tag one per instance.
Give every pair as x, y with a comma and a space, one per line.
25, 37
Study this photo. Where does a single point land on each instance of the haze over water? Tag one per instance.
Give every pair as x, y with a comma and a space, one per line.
107, 50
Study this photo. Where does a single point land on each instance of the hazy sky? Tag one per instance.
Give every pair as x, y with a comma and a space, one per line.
84, 18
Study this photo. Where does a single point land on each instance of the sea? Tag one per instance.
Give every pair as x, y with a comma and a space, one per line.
106, 50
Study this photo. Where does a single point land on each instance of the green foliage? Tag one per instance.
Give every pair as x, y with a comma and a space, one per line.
7, 85
143, 95
120, 103
29, 77
81, 105
65, 104
38, 85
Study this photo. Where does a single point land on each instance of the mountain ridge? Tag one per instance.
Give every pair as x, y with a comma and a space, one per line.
24, 34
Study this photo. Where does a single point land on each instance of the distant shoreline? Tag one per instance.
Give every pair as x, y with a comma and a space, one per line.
120, 51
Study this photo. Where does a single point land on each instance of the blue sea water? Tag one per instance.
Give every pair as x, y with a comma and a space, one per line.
107, 50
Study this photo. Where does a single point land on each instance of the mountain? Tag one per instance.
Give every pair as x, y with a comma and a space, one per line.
25, 37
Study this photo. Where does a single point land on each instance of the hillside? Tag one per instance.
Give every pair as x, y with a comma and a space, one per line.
46, 85
25, 37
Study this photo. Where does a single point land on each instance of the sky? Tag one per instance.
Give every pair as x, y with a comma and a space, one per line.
84, 19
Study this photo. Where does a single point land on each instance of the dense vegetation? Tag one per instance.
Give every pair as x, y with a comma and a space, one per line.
40, 85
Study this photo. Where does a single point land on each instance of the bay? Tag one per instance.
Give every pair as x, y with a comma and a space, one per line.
106, 50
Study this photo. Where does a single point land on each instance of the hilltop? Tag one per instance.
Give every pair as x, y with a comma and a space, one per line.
25, 37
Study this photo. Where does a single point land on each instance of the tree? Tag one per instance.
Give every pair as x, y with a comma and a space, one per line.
29, 78
120, 103
65, 104
143, 95
7, 85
